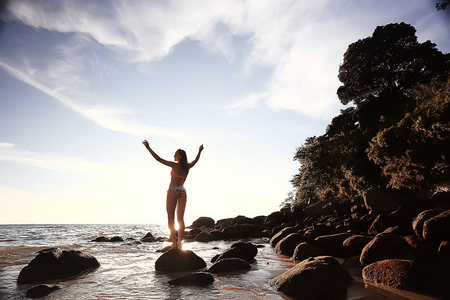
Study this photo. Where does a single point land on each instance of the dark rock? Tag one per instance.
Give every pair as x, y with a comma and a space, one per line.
307, 250
116, 239
148, 238
353, 245
400, 217
241, 220
41, 290
245, 251
203, 221
397, 273
203, 237
241, 231
193, 279
275, 219
102, 239
444, 247
320, 277
288, 244
332, 244
222, 223
388, 200
229, 265
216, 235
281, 235
176, 260
437, 228
258, 220
54, 263
386, 246
422, 217
353, 266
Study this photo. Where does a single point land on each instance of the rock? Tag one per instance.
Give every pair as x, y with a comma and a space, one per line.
437, 228
275, 219
222, 223
444, 247
229, 265
288, 244
386, 246
353, 266
41, 290
107, 239
422, 217
400, 217
148, 238
306, 250
203, 221
281, 234
176, 260
353, 245
319, 277
54, 263
388, 200
203, 237
241, 231
397, 273
245, 251
195, 279
332, 244
241, 220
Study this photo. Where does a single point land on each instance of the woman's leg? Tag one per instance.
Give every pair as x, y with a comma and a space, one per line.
171, 204
181, 207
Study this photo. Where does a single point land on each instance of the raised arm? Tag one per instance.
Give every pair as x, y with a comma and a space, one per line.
156, 156
200, 149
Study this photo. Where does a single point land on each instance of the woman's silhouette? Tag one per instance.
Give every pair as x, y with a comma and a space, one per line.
176, 195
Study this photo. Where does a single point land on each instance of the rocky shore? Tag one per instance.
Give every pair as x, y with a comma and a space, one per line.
390, 237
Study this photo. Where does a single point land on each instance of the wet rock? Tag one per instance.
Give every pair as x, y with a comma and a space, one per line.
306, 250
54, 263
332, 244
397, 273
229, 265
149, 238
422, 217
281, 234
437, 228
320, 277
102, 239
245, 251
193, 279
241, 231
288, 244
203, 237
176, 260
444, 247
203, 221
386, 246
41, 290
353, 245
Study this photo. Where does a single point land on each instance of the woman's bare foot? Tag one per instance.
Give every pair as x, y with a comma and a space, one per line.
174, 246
180, 245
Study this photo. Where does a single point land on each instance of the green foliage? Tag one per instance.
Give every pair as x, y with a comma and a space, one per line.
398, 132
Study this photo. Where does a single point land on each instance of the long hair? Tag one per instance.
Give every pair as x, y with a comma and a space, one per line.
183, 160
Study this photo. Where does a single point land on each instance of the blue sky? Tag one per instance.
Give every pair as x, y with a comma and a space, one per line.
84, 82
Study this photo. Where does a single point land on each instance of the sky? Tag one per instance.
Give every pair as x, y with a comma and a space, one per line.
83, 83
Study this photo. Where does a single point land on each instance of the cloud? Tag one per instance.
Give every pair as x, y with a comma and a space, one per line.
56, 162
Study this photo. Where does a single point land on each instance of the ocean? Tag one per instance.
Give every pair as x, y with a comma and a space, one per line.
127, 268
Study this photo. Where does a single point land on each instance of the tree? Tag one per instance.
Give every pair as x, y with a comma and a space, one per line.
443, 5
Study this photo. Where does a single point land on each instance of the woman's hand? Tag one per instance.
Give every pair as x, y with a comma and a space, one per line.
145, 143
201, 148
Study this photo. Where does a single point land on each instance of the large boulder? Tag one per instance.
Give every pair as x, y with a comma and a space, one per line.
332, 244
388, 200
203, 221
281, 234
354, 244
177, 260
229, 265
54, 263
386, 246
243, 250
193, 279
319, 277
241, 231
422, 217
306, 250
437, 228
397, 273
288, 244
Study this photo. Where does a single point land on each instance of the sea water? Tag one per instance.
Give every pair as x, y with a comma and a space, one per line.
127, 268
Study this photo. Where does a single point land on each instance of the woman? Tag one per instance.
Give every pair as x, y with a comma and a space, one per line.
176, 195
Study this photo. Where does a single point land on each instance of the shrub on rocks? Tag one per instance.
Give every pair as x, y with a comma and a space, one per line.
388, 200
320, 277
306, 250
386, 246
176, 260
54, 263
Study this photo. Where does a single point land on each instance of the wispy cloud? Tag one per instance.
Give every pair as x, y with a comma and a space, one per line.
56, 162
